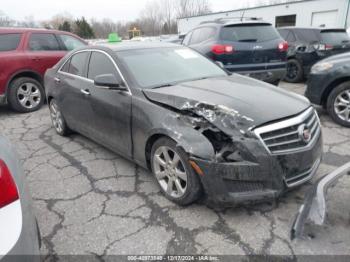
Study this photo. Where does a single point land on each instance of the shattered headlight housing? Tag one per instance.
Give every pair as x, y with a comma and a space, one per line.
321, 67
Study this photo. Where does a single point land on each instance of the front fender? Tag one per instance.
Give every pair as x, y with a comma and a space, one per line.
191, 140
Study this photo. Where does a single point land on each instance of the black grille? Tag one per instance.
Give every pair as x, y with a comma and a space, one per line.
289, 138
243, 186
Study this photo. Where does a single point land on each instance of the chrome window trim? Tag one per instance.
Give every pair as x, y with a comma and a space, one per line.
87, 79
287, 123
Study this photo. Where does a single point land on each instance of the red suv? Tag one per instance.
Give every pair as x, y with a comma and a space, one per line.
25, 54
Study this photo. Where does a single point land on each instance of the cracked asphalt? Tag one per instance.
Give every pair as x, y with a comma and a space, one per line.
88, 200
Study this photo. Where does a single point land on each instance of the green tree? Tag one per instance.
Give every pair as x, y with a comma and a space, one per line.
65, 26
83, 29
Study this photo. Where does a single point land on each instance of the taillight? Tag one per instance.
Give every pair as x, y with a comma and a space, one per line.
283, 46
222, 49
323, 47
8, 189
329, 47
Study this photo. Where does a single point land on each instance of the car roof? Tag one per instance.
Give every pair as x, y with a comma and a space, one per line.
24, 30
123, 46
311, 28
234, 21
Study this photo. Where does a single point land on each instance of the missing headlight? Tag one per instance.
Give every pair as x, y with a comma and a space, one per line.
224, 147
217, 138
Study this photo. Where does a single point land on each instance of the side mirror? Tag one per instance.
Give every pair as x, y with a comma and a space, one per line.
109, 81
301, 48
220, 64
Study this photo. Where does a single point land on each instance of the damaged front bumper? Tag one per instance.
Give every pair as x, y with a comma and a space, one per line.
314, 208
257, 181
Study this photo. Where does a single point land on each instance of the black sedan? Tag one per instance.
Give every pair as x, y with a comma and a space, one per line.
329, 86
199, 129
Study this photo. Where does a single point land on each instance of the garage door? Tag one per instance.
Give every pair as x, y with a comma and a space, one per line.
326, 19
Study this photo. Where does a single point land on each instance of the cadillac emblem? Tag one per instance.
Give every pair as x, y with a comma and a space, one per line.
304, 133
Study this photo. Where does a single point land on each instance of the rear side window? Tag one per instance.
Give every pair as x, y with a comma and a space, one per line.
283, 33
291, 37
70, 42
43, 42
9, 42
249, 33
78, 63
335, 37
65, 67
202, 34
187, 38
308, 35
195, 36
100, 64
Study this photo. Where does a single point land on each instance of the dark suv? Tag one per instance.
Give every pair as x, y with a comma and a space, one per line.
309, 45
247, 46
25, 54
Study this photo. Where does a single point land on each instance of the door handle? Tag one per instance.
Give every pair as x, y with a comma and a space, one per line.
57, 80
85, 92
36, 58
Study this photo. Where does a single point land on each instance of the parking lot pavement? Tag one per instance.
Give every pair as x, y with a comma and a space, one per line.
89, 200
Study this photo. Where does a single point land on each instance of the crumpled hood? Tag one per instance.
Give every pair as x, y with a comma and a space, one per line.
233, 102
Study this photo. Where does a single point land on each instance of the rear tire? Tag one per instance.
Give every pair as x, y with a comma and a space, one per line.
25, 95
295, 72
182, 189
58, 121
338, 104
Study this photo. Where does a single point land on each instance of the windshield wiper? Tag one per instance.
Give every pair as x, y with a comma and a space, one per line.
163, 85
183, 81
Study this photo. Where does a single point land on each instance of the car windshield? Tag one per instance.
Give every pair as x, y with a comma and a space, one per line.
156, 67
335, 37
249, 33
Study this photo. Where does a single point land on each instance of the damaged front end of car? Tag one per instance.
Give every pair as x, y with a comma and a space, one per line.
240, 169
314, 209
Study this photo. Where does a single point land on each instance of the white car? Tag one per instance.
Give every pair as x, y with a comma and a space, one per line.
19, 233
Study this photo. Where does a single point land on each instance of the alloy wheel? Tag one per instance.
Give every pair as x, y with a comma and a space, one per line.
342, 105
29, 95
56, 117
170, 171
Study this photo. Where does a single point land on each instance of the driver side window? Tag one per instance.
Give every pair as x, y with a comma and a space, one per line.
100, 64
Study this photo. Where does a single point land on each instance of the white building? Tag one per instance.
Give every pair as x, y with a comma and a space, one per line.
326, 13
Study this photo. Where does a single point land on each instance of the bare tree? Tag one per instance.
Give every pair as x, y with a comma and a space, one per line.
28, 21
58, 20
151, 18
5, 21
187, 8
167, 10
103, 28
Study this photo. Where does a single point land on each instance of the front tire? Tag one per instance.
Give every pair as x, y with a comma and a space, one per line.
175, 176
57, 119
295, 72
25, 95
338, 104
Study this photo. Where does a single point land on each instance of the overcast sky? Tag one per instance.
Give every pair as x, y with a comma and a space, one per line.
113, 9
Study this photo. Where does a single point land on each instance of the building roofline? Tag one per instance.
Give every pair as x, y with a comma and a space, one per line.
248, 8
